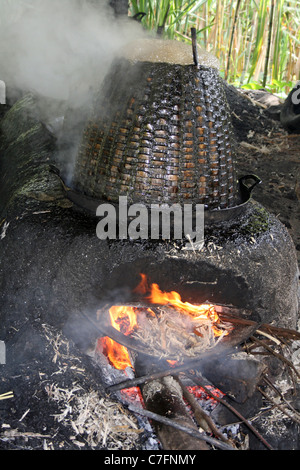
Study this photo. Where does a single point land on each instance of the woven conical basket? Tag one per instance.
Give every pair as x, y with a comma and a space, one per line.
159, 133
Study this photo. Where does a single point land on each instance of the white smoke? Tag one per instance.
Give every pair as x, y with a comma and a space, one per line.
60, 48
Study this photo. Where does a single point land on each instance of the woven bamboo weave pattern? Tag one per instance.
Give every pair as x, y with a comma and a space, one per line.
160, 133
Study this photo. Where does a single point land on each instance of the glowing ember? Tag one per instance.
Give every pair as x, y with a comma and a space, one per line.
200, 393
132, 395
125, 319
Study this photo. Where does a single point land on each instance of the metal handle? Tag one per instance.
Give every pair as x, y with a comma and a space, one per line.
248, 189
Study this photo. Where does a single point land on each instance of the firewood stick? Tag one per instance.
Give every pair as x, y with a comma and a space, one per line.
174, 424
164, 397
280, 407
202, 418
279, 356
233, 410
280, 331
193, 363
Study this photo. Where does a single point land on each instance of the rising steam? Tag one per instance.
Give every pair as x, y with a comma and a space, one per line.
60, 48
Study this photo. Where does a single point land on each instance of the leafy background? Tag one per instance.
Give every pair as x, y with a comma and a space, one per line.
256, 41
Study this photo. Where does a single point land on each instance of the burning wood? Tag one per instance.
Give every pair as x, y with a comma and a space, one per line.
164, 397
197, 337
172, 329
171, 333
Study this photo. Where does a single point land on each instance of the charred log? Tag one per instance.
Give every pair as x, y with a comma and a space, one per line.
164, 397
237, 377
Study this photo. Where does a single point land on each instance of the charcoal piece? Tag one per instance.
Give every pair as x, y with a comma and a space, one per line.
237, 378
223, 415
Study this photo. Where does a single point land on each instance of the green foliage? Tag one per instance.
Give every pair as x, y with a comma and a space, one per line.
177, 16
277, 87
257, 41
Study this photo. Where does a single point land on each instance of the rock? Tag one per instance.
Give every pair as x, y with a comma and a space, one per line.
290, 113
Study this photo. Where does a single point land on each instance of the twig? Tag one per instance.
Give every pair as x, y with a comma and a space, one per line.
272, 338
180, 427
276, 354
236, 116
282, 332
13, 433
6, 395
25, 414
202, 418
253, 101
145, 378
274, 330
233, 410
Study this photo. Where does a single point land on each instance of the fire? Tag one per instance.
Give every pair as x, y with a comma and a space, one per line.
201, 394
198, 312
124, 318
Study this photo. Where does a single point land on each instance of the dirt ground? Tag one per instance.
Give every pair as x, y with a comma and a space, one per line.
276, 161
266, 149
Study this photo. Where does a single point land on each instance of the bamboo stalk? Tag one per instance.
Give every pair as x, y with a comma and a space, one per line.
231, 38
268, 45
246, 43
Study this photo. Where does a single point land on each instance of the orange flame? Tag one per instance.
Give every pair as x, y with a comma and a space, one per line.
124, 319
198, 312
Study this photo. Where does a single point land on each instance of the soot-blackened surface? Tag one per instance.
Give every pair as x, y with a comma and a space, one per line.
52, 266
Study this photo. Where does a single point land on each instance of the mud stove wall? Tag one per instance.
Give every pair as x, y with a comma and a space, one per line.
64, 270
249, 263
253, 271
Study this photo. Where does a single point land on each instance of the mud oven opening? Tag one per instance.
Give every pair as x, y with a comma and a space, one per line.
231, 284
161, 134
